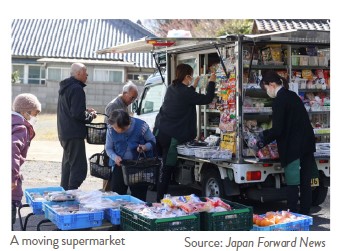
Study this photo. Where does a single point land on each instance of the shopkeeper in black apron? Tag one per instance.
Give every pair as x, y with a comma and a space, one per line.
176, 122
292, 130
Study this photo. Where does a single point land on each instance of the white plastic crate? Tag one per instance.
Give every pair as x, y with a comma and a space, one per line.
205, 153
183, 150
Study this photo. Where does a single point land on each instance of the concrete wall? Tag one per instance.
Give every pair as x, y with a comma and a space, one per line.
98, 95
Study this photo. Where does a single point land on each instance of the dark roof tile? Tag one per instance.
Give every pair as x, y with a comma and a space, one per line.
77, 38
272, 25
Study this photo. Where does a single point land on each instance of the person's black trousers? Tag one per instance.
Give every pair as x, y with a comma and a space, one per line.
74, 163
119, 187
164, 143
306, 163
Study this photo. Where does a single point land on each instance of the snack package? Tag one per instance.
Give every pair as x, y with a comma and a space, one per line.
266, 55
273, 150
229, 142
276, 52
264, 153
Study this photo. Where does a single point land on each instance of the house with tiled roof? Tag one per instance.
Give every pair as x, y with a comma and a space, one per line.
44, 49
272, 25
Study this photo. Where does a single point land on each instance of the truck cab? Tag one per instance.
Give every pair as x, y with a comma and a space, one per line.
151, 99
239, 60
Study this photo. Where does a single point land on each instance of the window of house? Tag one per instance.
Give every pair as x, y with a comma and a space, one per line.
102, 75
58, 73
137, 77
30, 74
20, 69
35, 75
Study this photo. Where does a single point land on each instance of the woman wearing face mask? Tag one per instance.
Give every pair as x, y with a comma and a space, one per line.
127, 138
26, 107
176, 122
292, 130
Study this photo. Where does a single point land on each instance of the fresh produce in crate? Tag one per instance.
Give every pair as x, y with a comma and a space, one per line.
193, 204
271, 218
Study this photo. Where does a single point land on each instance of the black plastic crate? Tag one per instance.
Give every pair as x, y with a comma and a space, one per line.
238, 219
134, 173
131, 221
99, 166
96, 132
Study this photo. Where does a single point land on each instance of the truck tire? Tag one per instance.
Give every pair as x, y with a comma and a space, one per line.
319, 195
212, 185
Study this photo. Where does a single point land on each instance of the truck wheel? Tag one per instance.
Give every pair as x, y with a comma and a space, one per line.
212, 185
319, 195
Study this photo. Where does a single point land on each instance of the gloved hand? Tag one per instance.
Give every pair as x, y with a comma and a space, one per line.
260, 144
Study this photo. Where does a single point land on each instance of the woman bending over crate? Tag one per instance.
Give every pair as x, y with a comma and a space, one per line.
127, 137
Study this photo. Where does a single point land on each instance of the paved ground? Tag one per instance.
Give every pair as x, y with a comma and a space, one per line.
52, 150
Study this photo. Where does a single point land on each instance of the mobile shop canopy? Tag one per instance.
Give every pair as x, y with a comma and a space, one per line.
172, 45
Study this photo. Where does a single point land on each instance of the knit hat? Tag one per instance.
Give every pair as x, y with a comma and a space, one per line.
26, 102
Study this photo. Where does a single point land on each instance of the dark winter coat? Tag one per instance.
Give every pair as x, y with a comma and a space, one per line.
177, 116
291, 127
71, 110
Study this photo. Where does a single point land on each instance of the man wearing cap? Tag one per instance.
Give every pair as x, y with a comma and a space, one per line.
26, 107
72, 117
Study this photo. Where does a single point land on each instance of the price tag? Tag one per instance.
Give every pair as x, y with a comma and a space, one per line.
315, 182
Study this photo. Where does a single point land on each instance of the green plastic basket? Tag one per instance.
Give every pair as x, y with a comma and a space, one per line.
131, 221
238, 219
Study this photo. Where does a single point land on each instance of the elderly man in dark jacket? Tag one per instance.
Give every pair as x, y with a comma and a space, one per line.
72, 116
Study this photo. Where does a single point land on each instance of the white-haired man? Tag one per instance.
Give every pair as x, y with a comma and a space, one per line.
121, 102
72, 117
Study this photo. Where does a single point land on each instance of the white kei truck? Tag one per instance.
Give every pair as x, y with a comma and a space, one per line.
239, 61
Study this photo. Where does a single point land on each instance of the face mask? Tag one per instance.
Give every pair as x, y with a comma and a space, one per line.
32, 120
271, 92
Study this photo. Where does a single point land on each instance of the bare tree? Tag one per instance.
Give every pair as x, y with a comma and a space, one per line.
200, 27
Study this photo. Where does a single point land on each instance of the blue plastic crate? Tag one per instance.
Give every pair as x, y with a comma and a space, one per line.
37, 205
298, 225
113, 214
72, 221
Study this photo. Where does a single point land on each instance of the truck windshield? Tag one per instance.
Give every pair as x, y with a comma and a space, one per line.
152, 99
